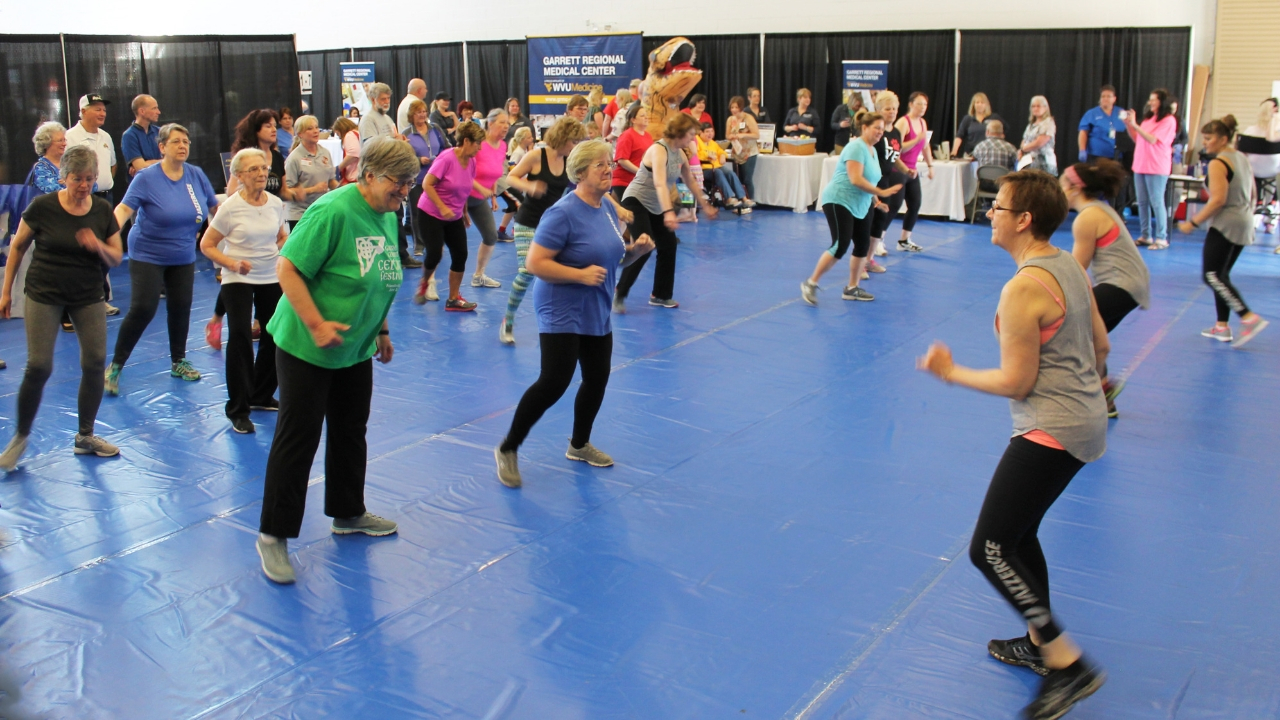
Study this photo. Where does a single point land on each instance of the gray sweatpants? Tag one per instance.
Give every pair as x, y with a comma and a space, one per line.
44, 323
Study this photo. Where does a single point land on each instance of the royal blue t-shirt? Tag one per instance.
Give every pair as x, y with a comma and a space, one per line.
581, 236
169, 214
1102, 130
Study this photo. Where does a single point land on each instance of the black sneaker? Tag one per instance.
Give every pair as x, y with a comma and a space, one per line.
1062, 689
1018, 651
271, 405
242, 425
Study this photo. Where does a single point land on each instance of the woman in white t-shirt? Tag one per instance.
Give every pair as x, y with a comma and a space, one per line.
250, 227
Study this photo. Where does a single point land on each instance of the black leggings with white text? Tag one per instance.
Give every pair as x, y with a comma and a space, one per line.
1220, 255
1005, 546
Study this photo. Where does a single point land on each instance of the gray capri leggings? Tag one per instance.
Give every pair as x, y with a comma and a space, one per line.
482, 218
44, 324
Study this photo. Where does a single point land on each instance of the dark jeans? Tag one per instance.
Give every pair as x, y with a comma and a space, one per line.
664, 240
561, 354
146, 281
310, 397
1006, 545
249, 382
1220, 255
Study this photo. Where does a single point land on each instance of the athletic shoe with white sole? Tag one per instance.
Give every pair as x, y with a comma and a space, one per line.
667, 303
111, 383
275, 561
809, 292
508, 467
507, 334
368, 523
94, 445
1060, 690
484, 281
908, 246
1249, 330
13, 453
588, 454
1020, 652
857, 293
1217, 332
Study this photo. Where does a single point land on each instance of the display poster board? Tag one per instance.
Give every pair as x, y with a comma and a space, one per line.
866, 74
561, 67
356, 79
767, 133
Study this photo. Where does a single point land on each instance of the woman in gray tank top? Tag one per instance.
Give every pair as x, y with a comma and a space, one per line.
1229, 214
1102, 243
1052, 341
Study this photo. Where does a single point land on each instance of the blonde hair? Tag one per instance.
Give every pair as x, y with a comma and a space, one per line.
1048, 114
566, 130
582, 157
803, 92
976, 97
301, 125
518, 139
887, 98
596, 96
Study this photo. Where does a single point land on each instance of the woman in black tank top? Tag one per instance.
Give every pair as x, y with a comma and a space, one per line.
892, 172
541, 176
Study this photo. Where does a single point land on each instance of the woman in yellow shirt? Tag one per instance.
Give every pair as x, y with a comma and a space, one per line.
711, 155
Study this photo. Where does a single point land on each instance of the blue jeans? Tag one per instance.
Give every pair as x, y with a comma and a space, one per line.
1151, 205
729, 184
748, 176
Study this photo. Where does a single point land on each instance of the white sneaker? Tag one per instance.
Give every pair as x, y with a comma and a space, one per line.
431, 293
881, 251
506, 334
13, 453
484, 281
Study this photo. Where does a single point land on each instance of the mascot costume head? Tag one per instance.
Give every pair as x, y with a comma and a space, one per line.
671, 77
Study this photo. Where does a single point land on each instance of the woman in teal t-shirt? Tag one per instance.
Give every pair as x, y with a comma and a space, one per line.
339, 270
847, 202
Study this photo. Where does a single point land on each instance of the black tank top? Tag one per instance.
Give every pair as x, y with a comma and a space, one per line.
530, 212
888, 150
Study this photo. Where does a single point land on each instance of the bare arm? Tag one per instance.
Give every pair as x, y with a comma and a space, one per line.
1083, 140
541, 262
904, 128
657, 157
325, 333
209, 246
123, 213
429, 187
530, 164
1217, 192
1084, 232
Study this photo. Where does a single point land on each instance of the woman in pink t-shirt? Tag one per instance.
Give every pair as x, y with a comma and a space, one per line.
491, 164
1152, 165
442, 215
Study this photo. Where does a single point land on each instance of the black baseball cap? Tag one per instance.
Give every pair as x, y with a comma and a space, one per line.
442, 95
91, 98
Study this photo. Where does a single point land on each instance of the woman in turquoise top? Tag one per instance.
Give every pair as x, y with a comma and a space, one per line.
847, 202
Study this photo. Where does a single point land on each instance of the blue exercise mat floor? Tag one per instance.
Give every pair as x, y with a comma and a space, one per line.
783, 535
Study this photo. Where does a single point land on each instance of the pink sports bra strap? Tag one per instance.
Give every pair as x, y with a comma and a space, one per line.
1044, 285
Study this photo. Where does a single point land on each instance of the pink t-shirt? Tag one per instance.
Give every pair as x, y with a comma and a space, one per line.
489, 162
453, 185
1155, 158
350, 148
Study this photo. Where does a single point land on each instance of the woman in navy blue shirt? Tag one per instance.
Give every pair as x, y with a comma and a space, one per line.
171, 201
575, 256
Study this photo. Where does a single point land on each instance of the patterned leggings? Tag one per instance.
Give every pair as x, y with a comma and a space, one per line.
524, 237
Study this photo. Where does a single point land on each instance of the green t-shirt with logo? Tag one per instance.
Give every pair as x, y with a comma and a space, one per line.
347, 254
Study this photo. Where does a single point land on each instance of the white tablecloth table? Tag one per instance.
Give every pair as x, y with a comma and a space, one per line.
334, 146
788, 180
946, 195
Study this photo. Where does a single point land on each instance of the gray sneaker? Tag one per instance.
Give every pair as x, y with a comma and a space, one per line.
809, 291
857, 293
94, 445
484, 281
588, 454
619, 305
13, 453
275, 561
508, 467
368, 523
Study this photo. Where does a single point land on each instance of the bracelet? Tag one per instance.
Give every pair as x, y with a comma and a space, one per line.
664, 212
1194, 224
384, 331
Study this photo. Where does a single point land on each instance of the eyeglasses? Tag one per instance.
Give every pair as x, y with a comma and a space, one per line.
997, 208
401, 185
604, 164
255, 169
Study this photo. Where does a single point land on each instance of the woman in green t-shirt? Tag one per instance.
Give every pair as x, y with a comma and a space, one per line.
339, 270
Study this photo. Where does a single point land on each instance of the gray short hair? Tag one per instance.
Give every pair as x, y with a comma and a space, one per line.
43, 138
238, 161
78, 160
389, 158
378, 89
583, 155
495, 113
167, 130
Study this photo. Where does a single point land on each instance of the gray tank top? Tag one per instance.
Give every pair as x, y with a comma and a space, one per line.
642, 187
1067, 400
1235, 219
1119, 263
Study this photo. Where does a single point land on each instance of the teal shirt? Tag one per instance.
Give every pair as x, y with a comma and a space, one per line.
842, 192
346, 252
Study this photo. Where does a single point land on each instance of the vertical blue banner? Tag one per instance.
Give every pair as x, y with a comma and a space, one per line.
866, 74
356, 79
561, 67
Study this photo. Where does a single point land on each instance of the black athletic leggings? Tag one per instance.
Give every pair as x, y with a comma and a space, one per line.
561, 353
437, 233
1114, 304
1220, 255
1005, 546
845, 228
146, 281
664, 242
910, 192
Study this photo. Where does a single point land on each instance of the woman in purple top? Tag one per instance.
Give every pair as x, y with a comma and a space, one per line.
441, 213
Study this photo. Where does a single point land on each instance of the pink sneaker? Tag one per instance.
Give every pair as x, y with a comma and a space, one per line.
213, 334
1249, 329
875, 267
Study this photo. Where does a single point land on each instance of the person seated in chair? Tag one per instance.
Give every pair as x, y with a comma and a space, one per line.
995, 150
712, 157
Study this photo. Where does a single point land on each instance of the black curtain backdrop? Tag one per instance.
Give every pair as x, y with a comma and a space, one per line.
498, 70
325, 100
31, 76
922, 61
1068, 67
185, 77
259, 72
792, 62
729, 63
439, 65
113, 68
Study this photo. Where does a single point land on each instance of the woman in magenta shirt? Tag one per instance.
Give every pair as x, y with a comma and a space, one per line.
442, 216
632, 145
491, 164
1152, 165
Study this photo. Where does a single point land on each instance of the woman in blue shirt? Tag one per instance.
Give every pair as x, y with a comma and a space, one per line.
847, 201
576, 252
171, 200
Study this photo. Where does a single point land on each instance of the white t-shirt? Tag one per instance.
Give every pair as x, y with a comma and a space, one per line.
100, 143
402, 113
250, 234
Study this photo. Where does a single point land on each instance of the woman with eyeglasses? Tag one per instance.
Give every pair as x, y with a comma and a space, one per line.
169, 202
576, 254
1053, 343
71, 234
253, 226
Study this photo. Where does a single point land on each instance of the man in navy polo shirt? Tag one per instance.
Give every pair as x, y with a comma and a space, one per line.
1100, 126
140, 143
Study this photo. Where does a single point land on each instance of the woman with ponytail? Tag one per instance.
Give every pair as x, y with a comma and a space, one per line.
1103, 245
